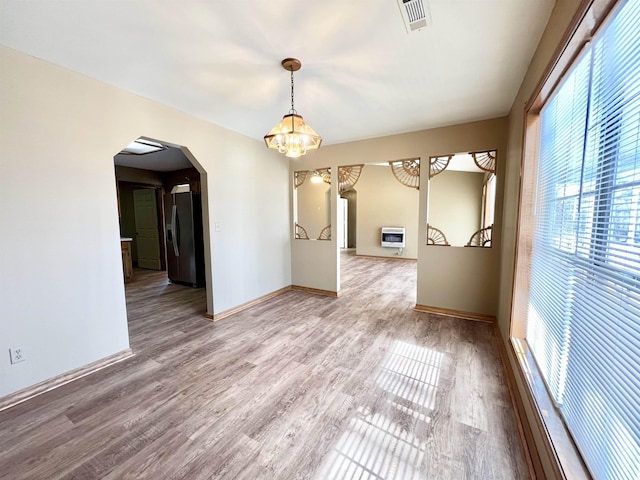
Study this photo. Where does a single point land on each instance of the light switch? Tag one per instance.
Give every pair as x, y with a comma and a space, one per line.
218, 227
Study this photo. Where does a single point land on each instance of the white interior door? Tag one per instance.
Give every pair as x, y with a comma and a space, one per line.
147, 236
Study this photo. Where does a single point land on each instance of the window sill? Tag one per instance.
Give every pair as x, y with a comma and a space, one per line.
561, 443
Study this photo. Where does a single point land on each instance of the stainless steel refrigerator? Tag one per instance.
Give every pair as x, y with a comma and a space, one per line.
185, 246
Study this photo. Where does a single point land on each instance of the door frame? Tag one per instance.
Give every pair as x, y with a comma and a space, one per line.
159, 191
158, 244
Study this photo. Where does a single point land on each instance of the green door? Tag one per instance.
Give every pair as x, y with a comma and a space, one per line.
147, 236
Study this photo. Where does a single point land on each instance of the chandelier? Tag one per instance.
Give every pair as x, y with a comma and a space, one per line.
292, 136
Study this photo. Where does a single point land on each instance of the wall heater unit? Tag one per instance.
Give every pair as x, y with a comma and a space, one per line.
392, 237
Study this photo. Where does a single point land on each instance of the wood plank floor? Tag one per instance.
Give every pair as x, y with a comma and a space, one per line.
300, 387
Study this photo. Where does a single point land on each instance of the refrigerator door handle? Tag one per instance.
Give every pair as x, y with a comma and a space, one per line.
174, 231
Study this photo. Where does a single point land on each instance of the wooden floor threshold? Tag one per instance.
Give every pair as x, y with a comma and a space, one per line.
68, 377
478, 317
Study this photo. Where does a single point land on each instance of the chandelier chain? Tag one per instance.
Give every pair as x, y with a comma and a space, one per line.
293, 110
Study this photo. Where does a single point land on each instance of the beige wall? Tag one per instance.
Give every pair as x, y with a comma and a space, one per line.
463, 279
62, 291
558, 23
455, 204
316, 264
317, 261
382, 201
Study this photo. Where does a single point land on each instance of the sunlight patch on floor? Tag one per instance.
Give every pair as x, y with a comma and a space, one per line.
387, 439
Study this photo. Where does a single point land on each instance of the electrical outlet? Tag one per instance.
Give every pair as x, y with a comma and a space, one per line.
16, 355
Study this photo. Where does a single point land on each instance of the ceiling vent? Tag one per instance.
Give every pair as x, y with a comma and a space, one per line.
414, 14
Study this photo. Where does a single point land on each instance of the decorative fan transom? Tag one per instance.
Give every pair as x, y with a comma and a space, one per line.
407, 172
435, 236
438, 164
348, 175
485, 160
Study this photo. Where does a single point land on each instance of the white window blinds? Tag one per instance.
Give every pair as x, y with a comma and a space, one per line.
583, 324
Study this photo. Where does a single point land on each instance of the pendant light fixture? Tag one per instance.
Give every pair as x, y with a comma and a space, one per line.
292, 136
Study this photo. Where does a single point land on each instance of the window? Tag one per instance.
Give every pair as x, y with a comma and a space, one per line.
582, 242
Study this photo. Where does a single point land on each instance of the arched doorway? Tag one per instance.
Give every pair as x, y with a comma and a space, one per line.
163, 216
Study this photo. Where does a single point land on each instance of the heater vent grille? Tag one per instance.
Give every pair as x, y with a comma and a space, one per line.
414, 14
415, 9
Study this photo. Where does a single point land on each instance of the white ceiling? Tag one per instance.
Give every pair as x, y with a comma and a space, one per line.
362, 74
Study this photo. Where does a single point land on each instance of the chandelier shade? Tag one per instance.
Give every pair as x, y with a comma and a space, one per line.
292, 136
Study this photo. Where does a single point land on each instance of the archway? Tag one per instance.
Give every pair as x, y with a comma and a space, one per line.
171, 172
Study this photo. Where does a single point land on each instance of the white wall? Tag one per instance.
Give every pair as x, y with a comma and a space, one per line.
61, 286
382, 201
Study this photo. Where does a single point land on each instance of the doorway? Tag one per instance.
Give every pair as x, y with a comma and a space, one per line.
148, 174
141, 219
344, 231
349, 203
147, 233
377, 198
